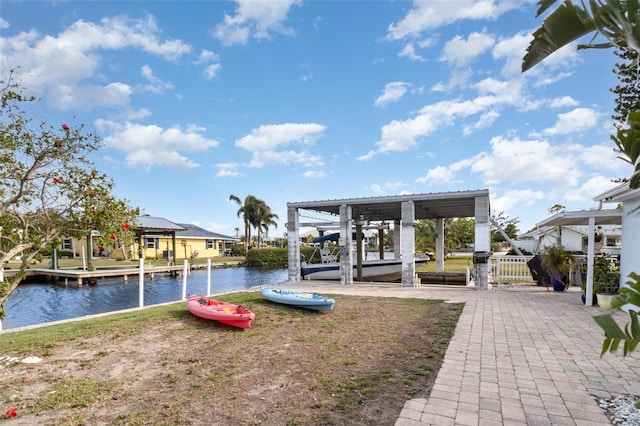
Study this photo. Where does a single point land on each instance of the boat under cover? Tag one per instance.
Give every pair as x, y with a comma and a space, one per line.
298, 298
223, 312
384, 270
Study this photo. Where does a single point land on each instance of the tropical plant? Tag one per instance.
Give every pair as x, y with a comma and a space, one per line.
628, 142
606, 275
615, 20
263, 218
557, 262
627, 90
614, 335
255, 212
245, 211
49, 189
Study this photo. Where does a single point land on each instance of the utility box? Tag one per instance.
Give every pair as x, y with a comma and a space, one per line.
481, 257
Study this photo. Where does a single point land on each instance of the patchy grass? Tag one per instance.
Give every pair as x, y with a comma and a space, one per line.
355, 365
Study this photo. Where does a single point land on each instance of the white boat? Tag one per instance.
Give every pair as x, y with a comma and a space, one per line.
385, 270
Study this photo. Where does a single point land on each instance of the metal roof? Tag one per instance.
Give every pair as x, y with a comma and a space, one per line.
155, 225
427, 206
193, 231
581, 217
618, 194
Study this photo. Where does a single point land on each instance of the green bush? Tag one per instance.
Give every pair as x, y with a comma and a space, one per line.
268, 258
237, 250
279, 257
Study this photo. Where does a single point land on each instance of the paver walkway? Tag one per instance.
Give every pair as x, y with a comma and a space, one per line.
520, 355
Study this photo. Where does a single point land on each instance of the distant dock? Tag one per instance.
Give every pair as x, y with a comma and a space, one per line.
81, 276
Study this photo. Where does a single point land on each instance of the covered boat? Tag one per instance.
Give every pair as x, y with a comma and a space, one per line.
223, 312
298, 298
386, 270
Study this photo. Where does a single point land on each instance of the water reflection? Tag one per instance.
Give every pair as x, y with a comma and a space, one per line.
41, 303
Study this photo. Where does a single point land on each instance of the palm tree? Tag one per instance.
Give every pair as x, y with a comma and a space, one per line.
247, 212
618, 21
263, 218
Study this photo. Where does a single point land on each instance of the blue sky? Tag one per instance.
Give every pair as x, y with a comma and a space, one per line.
295, 100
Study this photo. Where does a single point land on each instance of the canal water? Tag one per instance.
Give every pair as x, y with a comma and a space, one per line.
32, 304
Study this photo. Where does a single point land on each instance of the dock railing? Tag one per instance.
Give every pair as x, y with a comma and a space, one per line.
509, 269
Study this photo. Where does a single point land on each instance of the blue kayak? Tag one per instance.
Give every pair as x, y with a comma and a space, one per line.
298, 298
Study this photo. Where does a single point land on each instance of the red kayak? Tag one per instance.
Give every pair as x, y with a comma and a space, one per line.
224, 312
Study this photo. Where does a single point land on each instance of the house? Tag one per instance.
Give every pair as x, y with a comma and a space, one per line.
629, 201
198, 242
573, 238
159, 238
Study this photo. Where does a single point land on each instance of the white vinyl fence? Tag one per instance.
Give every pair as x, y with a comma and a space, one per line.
509, 269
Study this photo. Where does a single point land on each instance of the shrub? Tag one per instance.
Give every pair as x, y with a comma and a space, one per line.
268, 258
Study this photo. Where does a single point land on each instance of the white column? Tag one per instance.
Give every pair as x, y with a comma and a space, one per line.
293, 243
440, 241
408, 244
141, 282
482, 241
588, 300
346, 243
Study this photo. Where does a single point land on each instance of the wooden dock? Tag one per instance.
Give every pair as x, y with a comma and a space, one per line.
80, 276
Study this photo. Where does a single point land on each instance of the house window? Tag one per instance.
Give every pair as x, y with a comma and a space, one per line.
209, 244
150, 243
67, 244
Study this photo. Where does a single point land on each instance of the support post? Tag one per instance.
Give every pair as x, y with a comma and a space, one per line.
440, 243
140, 281
482, 242
408, 244
588, 300
346, 243
293, 241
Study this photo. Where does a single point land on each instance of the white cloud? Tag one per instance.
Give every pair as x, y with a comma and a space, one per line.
565, 101
427, 15
596, 185
61, 66
151, 145
314, 174
387, 188
603, 158
211, 63
228, 170
4, 24
257, 19
510, 50
485, 121
514, 197
409, 51
393, 92
537, 161
578, 120
461, 52
268, 137
264, 142
437, 175
402, 135
155, 84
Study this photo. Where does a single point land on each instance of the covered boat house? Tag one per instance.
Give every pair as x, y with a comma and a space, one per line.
403, 211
